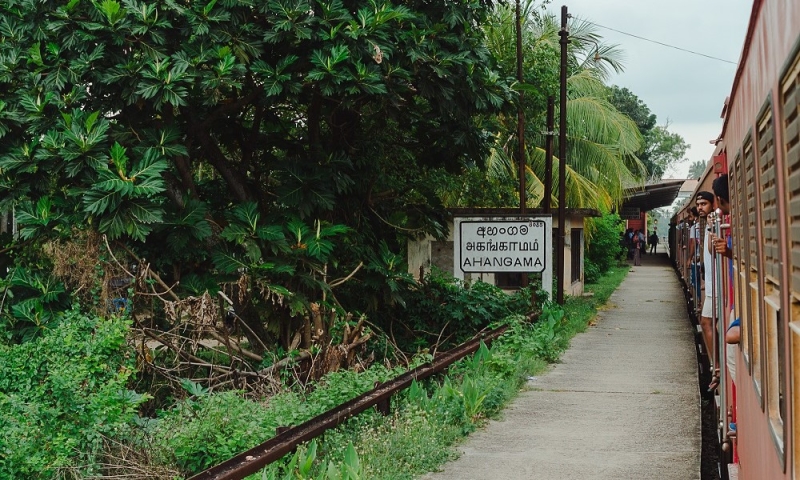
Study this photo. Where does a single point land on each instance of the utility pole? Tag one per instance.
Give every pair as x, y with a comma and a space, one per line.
562, 158
520, 116
548, 154
523, 207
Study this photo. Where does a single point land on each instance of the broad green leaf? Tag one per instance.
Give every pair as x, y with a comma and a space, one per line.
227, 262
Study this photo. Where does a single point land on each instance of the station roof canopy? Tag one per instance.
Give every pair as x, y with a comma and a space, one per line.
652, 196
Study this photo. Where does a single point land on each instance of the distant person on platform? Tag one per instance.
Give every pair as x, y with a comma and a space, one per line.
653, 241
629, 242
637, 248
643, 241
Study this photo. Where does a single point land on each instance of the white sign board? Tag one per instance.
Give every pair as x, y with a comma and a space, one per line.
494, 246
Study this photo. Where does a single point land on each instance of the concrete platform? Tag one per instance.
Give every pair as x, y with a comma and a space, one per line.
622, 404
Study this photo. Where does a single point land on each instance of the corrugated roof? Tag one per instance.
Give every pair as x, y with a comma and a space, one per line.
653, 196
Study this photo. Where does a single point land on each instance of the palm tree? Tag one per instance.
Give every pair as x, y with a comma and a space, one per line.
601, 141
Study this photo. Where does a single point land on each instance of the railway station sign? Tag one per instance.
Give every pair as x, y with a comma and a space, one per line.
520, 244
630, 213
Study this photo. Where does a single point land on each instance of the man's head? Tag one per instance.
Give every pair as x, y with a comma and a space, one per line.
720, 187
704, 202
693, 213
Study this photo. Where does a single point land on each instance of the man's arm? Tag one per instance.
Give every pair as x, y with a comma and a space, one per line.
720, 246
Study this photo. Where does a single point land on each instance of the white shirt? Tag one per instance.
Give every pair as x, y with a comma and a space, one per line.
708, 263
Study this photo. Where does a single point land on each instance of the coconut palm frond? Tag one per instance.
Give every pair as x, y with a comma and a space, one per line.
534, 187
585, 83
499, 165
602, 142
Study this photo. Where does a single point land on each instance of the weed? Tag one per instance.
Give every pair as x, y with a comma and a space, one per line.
62, 393
206, 428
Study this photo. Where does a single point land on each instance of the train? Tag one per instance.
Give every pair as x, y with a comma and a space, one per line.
757, 399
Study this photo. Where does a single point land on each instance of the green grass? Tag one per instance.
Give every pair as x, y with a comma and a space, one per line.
607, 284
428, 420
580, 311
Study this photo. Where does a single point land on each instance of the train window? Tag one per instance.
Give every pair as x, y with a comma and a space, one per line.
739, 252
752, 266
751, 206
794, 333
768, 196
790, 172
745, 342
771, 269
790, 93
776, 404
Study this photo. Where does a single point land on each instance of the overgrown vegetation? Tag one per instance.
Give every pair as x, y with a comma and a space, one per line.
207, 428
239, 176
210, 200
443, 312
73, 381
604, 248
428, 418
62, 394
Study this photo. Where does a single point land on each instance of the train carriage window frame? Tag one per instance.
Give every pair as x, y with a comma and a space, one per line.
789, 90
753, 268
794, 345
776, 400
739, 266
769, 257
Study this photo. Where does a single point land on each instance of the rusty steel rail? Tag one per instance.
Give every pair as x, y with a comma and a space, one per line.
253, 460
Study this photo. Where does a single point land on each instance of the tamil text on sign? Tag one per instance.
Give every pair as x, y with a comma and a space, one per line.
502, 246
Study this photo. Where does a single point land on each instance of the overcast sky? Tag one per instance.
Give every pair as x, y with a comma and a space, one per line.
684, 89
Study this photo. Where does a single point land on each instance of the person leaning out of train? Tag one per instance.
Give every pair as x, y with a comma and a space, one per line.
722, 246
704, 201
720, 187
693, 259
732, 337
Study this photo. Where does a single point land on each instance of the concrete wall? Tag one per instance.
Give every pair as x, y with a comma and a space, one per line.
427, 253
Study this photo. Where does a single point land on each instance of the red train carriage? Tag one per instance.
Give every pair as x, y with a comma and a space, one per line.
759, 149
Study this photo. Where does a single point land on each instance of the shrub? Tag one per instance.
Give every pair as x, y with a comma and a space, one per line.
206, 429
446, 311
603, 247
591, 272
61, 393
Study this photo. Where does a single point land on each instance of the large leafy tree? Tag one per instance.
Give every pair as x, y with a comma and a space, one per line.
696, 169
661, 148
628, 103
229, 136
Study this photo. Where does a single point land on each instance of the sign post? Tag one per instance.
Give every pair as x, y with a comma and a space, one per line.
520, 244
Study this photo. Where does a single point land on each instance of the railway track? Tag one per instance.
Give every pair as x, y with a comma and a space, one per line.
253, 460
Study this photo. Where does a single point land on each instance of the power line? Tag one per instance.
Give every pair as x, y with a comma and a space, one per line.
659, 43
